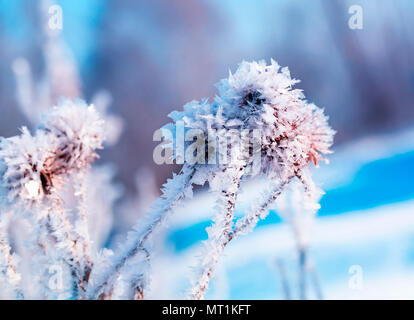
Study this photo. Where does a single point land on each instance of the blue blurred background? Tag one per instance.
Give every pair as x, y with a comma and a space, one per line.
154, 56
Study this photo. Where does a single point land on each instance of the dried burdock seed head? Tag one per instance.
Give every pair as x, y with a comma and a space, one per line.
32, 166
293, 131
22, 159
80, 131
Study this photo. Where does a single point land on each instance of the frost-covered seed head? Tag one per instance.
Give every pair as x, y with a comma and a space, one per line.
294, 132
32, 166
80, 131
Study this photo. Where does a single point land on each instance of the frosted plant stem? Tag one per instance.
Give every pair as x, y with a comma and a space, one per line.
280, 266
42, 248
218, 232
315, 282
246, 224
260, 211
61, 229
7, 266
137, 282
84, 233
305, 269
166, 204
302, 261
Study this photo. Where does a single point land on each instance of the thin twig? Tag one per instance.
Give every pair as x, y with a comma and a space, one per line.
302, 264
56, 220
250, 220
219, 232
280, 266
9, 269
83, 212
141, 239
314, 277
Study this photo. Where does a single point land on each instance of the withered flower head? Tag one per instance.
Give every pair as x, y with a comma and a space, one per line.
32, 166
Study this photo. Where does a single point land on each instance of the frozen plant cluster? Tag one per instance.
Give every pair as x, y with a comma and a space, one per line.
44, 177
33, 170
294, 133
